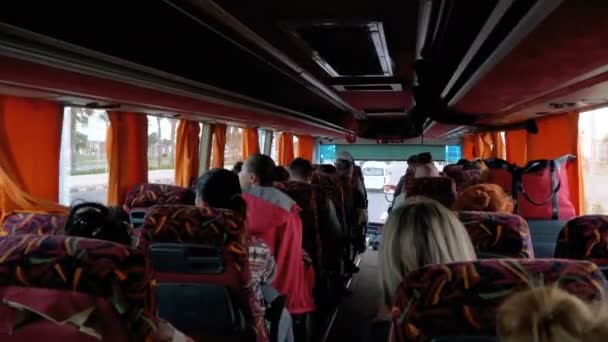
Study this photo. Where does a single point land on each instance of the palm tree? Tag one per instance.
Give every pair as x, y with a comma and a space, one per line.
78, 117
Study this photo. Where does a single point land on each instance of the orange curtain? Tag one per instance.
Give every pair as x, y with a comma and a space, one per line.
558, 135
467, 148
127, 150
517, 147
498, 145
30, 143
305, 147
187, 152
250, 144
285, 146
483, 145
219, 144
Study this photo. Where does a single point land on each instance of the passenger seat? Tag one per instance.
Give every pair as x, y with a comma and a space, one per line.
585, 237
143, 196
204, 282
498, 235
104, 290
461, 298
441, 189
25, 222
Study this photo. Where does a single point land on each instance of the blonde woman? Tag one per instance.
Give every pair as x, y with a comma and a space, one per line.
549, 314
421, 232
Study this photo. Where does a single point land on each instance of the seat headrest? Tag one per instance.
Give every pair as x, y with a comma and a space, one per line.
441, 189
584, 237
19, 223
147, 195
193, 225
462, 298
498, 235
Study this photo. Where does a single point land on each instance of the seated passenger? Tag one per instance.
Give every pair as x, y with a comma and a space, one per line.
96, 221
220, 188
425, 166
549, 314
274, 217
484, 197
280, 174
344, 169
421, 232
360, 202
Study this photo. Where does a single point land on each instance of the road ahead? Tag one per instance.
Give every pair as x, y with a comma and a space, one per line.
377, 204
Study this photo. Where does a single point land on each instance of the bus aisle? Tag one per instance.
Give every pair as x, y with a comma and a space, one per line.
354, 316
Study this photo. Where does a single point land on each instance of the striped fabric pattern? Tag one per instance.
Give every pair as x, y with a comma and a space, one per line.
462, 298
496, 235
100, 268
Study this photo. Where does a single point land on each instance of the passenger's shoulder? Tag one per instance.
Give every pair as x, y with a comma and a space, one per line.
272, 195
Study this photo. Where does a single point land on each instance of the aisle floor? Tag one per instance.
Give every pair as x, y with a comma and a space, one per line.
357, 311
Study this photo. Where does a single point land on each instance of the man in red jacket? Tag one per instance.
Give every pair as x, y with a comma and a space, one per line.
274, 217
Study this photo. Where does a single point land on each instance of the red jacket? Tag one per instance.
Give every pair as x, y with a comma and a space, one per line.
274, 217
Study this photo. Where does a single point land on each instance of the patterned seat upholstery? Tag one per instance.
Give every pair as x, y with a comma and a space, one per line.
441, 189
304, 195
147, 195
496, 235
462, 298
329, 184
32, 223
49, 266
462, 176
584, 237
205, 226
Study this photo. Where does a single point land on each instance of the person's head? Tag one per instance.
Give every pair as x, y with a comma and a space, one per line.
412, 161
220, 188
424, 158
96, 221
346, 156
549, 314
328, 168
484, 197
426, 170
344, 167
280, 174
237, 167
257, 170
300, 169
419, 233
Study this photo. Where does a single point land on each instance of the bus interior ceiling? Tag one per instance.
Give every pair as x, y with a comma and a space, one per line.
379, 69
424, 71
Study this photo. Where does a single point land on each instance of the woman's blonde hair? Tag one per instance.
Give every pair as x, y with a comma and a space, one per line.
549, 314
419, 233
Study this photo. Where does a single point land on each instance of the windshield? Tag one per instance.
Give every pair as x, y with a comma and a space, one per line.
373, 171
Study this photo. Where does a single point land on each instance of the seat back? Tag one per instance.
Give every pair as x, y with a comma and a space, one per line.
329, 183
498, 235
441, 189
24, 222
584, 237
143, 196
60, 276
544, 236
462, 176
203, 251
463, 298
305, 196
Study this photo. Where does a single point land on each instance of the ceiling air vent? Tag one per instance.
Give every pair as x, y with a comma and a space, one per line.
345, 48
